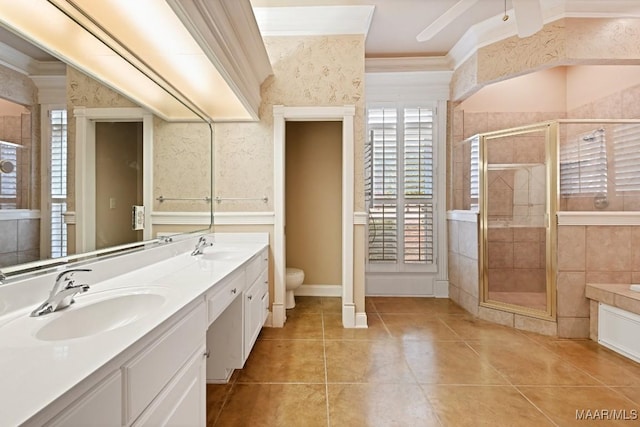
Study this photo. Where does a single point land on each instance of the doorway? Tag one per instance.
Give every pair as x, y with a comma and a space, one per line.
344, 114
119, 172
313, 204
87, 120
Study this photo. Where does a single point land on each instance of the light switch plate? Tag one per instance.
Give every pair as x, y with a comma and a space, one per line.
137, 217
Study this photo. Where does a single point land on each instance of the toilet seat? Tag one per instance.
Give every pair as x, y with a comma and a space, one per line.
295, 277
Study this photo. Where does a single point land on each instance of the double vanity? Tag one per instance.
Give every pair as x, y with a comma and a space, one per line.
138, 347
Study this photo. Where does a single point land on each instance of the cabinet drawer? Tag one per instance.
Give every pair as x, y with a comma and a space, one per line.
146, 374
219, 299
259, 263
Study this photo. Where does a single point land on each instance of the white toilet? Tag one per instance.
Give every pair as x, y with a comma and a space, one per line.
295, 277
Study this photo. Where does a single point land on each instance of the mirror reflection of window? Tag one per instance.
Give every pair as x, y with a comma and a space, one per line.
58, 167
8, 175
626, 154
583, 165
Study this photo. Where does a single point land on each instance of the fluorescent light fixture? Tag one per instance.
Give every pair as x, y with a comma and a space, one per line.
161, 47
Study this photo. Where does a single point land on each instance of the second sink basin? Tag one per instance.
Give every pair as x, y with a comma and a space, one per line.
100, 314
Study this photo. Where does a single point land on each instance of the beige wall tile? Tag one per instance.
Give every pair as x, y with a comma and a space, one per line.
571, 301
608, 248
469, 302
500, 254
608, 277
28, 234
635, 249
571, 248
573, 327
454, 293
468, 278
9, 233
500, 234
454, 268
496, 316
475, 123
526, 255
532, 324
453, 227
593, 320
468, 239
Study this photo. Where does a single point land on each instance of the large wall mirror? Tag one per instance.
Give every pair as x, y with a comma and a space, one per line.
85, 166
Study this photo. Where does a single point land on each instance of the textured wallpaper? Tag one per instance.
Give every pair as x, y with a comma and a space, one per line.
318, 71
566, 41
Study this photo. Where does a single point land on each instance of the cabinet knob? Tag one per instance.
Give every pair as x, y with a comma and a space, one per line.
234, 290
207, 353
250, 297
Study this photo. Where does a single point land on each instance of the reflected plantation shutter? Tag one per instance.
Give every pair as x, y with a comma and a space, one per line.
583, 165
626, 149
8, 181
401, 208
58, 122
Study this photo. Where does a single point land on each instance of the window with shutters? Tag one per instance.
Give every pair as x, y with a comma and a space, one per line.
583, 165
8, 180
626, 154
400, 186
58, 124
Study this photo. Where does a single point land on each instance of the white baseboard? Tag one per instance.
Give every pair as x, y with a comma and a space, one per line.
441, 289
361, 320
400, 284
318, 291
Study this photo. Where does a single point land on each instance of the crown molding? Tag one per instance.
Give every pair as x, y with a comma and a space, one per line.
228, 33
314, 20
389, 65
51, 89
408, 86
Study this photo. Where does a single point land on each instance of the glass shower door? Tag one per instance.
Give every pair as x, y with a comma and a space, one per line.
515, 208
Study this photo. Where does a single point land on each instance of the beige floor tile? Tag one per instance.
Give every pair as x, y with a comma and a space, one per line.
597, 361
331, 305
444, 362
403, 305
367, 362
299, 325
285, 361
418, 327
491, 406
276, 405
216, 397
632, 393
526, 364
561, 404
307, 305
374, 405
333, 328
470, 328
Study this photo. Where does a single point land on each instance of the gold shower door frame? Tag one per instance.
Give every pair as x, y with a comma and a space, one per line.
551, 132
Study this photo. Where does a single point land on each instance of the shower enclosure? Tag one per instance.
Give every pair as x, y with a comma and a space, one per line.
517, 205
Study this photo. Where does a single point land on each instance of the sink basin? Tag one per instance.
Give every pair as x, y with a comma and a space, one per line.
223, 254
102, 315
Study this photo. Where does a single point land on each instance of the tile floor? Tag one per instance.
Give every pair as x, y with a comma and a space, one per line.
421, 362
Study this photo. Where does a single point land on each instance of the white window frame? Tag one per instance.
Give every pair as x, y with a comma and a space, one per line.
399, 266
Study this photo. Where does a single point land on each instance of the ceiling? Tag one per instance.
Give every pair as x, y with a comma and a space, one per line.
396, 23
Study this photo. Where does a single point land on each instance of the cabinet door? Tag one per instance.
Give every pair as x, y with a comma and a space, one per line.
101, 406
183, 402
254, 312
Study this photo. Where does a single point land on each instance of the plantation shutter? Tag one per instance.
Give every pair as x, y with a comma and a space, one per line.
58, 122
626, 153
400, 185
8, 181
474, 175
583, 165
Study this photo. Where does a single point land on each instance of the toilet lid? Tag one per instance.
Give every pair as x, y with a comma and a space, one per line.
294, 271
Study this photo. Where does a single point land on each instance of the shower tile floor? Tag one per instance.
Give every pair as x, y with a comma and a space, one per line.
421, 362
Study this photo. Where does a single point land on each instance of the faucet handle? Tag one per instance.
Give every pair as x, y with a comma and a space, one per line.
70, 272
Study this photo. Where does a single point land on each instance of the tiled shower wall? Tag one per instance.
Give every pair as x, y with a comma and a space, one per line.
20, 241
463, 263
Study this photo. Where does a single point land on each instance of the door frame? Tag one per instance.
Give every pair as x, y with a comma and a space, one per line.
85, 164
344, 114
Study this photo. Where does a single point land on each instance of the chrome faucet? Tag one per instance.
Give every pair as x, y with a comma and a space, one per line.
202, 243
61, 296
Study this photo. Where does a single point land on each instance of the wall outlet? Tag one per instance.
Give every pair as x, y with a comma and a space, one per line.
112, 202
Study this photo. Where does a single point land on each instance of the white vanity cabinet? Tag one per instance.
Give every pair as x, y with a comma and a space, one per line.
233, 332
159, 381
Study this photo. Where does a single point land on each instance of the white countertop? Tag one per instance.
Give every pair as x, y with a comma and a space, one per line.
34, 373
